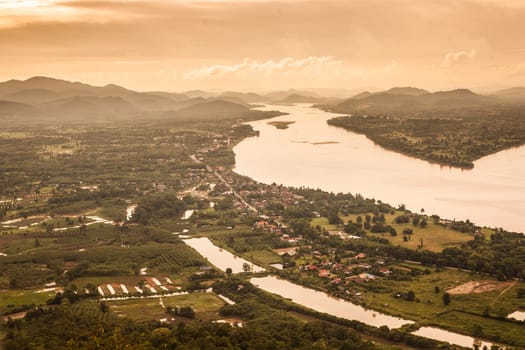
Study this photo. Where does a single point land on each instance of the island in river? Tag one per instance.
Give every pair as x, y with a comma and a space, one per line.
280, 124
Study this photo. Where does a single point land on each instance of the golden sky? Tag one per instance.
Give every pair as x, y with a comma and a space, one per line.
266, 44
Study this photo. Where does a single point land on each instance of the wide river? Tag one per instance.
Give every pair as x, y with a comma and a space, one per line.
314, 154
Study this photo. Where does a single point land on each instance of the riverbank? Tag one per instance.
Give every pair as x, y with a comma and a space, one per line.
490, 194
450, 142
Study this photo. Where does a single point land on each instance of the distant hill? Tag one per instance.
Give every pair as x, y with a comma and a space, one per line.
361, 95
281, 95
410, 91
49, 99
9, 108
198, 93
297, 98
246, 97
215, 110
514, 95
210, 110
81, 107
41, 83
32, 96
39, 90
415, 102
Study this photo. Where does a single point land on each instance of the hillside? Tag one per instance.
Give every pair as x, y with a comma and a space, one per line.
216, 110
45, 99
513, 95
412, 102
9, 108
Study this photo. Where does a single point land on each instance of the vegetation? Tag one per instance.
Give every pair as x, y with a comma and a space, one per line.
449, 141
92, 231
280, 124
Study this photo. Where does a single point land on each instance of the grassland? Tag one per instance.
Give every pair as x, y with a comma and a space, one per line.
205, 305
464, 314
435, 237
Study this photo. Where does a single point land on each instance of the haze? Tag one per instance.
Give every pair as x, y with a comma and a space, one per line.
265, 45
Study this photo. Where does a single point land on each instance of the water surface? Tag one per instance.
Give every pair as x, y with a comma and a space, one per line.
450, 337
314, 154
322, 302
219, 257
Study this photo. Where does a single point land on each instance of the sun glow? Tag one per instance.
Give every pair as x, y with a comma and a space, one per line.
21, 4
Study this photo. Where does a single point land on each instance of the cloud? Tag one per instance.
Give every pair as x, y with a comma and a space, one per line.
248, 65
453, 58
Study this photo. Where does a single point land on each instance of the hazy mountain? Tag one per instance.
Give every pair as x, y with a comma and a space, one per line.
41, 83
412, 101
281, 95
297, 98
60, 100
80, 107
210, 110
177, 97
10, 108
246, 97
39, 90
32, 96
514, 95
198, 93
410, 91
361, 95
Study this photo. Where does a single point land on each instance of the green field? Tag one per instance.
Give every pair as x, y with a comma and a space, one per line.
19, 297
464, 312
435, 237
205, 305
323, 222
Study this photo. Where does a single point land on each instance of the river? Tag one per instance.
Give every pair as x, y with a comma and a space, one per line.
314, 154
219, 257
322, 302
317, 300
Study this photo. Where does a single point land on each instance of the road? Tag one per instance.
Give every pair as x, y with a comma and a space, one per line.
239, 197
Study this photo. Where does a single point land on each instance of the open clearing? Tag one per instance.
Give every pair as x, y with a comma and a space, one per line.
478, 287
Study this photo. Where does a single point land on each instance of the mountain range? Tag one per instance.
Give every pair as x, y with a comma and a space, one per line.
43, 98
410, 101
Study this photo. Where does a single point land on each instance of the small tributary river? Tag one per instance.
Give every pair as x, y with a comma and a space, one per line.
219, 257
314, 154
322, 302
317, 300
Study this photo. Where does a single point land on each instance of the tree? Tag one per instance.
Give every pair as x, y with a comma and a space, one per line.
411, 296
486, 311
446, 298
436, 289
104, 307
229, 271
246, 267
393, 232
402, 219
186, 311
333, 218
408, 231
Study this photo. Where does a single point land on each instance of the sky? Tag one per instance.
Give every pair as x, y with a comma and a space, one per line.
266, 44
